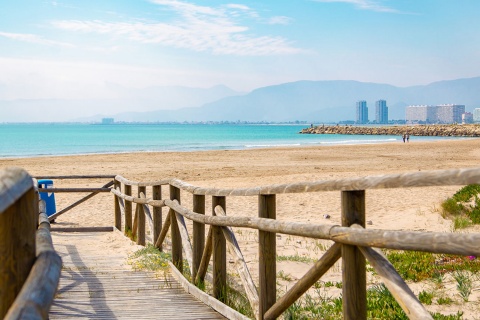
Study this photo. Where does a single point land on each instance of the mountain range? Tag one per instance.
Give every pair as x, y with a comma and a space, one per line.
311, 101
319, 101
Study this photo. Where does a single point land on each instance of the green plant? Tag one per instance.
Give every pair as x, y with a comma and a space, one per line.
149, 258
296, 257
464, 284
460, 203
461, 222
425, 297
444, 301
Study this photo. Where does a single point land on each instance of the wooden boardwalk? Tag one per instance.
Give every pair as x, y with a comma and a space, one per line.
99, 284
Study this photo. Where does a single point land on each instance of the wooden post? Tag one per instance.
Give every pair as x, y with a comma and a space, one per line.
118, 213
354, 288
219, 254
198, 234
141, 219
157, 214
267, 255
177, 255
128, 210
18, 217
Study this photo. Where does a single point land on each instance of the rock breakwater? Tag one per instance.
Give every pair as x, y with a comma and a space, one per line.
442, 130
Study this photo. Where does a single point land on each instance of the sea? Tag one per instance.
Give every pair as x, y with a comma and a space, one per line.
58, 139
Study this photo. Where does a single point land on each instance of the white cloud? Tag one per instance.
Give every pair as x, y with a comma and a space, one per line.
365, 5
279, 20
31, 38
198, 28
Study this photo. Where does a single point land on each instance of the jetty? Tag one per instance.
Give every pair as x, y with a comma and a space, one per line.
48, 272
441, 130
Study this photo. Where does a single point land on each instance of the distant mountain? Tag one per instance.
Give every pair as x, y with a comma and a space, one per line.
120, 99
312, 101
323, 101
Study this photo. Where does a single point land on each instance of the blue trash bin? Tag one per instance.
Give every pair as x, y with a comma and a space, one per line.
48, 197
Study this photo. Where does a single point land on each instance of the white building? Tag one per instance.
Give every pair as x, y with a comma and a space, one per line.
467, 117
476, 115
421, 114
450, 113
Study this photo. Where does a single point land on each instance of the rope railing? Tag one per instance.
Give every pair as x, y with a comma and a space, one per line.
352, 236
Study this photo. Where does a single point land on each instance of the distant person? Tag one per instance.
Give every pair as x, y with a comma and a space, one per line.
404, 137
408, 137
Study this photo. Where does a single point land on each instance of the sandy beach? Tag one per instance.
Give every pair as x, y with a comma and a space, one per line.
394, 209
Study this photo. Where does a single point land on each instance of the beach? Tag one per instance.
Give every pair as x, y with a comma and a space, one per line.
391, 209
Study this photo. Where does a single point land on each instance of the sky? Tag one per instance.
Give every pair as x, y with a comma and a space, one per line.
79, 49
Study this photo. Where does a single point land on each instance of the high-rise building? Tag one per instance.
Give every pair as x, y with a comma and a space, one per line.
381, 111
421, 114
467, 117
362, 112
476, 115
450, 113
443, 113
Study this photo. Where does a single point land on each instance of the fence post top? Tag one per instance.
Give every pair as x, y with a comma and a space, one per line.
14, 182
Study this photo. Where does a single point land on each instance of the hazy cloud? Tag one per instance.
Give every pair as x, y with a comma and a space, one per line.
31, 38
372, 5
279, 20
198, 28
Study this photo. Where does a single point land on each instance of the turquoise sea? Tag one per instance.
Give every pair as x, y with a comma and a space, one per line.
32, 140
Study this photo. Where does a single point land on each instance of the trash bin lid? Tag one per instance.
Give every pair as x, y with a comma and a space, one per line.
45, 181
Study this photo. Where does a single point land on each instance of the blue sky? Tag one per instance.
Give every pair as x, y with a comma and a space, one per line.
72, 49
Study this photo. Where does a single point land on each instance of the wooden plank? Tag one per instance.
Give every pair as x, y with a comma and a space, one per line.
141, 219
207, 299
18, 222
267, 256
82, 229
306, 282
36, 296
97, 176
73, 205
187, 246
219, 251
128, 210
241, 265
354, 289
177, 256
395, 284
163, 233
157, 213
207, 254
14, 183
98, 284
405, 180
117, 212
198, 234
73, 190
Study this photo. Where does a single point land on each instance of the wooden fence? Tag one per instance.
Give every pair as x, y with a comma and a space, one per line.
353, 243
29, 266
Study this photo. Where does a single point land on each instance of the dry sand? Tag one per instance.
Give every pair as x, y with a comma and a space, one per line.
406, 209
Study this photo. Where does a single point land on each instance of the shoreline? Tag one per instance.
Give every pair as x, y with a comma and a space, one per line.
248, 148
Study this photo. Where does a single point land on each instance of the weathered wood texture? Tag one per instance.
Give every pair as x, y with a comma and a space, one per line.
128, 210
267, 256
73, 190
157, 212
77, 177
99, 284
141, 219
241, 265
18, 223
354, 288
177, 256
198, 234
219, 258
118, 213
36, 296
